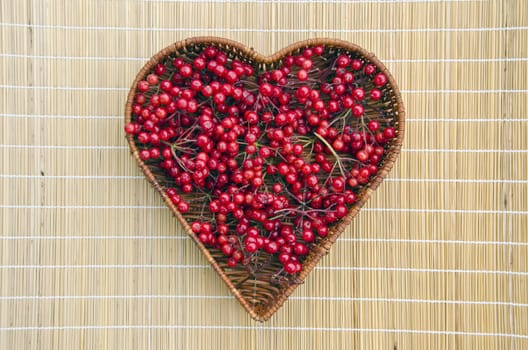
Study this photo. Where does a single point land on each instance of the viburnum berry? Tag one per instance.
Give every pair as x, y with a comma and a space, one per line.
186, 70
152, 79
358, 94
356, 64
380, 79
266, 89
144, 154
307, 64
160, 69
375, 94
199, 63
370, 69
232, 262
318, 50
362, 156
389, 133
343, 61
358, 110
302, 75
373, 125
130, 128
143, 86
195, 227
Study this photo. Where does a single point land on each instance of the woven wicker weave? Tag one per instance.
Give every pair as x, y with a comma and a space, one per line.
259, 296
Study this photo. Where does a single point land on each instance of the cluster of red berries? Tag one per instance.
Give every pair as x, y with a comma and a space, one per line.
274, 158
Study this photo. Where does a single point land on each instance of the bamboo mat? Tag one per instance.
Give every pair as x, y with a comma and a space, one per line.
91, 259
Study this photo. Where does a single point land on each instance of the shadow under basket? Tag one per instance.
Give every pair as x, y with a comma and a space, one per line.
256, 283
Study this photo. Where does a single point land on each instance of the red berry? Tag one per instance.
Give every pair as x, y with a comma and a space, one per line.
341, 211
358, 110
130, 128
338, 185
308, 236
176, 199
300, 249
183, 207
389, 133
318, 50
143, 86
154, 153
232, 262
159, 69
343, 61
144, 154
195, 227
375, 94
272, 247
277, 75
238, 255
380, 79
348, 102
186, 70
251, 247
373, 125
152, 79
284, 257
199, 63
350, 198
323, 231
358, 94
290, 267
266, 89
227, 249
177, 63
219, 98
362, 156
356, 64
370, 69
302, 75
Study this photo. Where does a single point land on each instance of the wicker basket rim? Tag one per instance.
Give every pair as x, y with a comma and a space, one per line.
324, 245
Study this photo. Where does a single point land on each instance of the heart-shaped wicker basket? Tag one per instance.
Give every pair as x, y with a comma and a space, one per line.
261, 298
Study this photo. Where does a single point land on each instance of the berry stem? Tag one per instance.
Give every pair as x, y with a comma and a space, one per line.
338, 159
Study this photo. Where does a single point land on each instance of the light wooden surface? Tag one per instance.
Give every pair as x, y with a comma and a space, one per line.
90, 258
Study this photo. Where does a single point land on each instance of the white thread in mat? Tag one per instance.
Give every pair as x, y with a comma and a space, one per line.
315, 1
404, 210
410, 150
403, 91
469, 181
449, 150
407, 120
467, 120
55, 116
329, 268
265, 30
76, 177
141, 177
341, 239
390, 60
228, 297
271, 328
